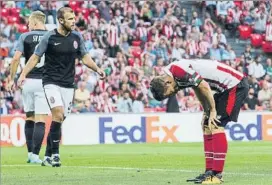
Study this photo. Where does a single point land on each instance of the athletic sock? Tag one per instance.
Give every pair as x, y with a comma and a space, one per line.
48, 150
208, 149
55, 136
29, 128
220, 148
38, 136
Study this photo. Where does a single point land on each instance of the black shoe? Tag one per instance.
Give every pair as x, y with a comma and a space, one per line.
56, 161
201, 177
211, 179
47, 162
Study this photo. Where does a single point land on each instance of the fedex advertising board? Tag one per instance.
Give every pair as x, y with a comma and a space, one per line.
88, 129
250, 127
131, 128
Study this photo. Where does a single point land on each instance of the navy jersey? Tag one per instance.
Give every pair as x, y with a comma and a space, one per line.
60, 54
26, 44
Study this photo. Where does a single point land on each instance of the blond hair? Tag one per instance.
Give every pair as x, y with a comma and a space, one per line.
38, 16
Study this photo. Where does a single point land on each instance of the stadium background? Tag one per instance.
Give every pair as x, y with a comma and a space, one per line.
145, 37
132, 41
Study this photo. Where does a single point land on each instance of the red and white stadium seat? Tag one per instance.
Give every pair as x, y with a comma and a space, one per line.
245, 31
267, 46
12, 19
4, 12
256, 40
15, 12
22, 28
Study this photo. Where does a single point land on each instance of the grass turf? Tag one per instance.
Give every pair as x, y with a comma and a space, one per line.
248, 163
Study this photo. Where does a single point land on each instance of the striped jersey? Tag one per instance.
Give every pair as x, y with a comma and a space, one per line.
189, 73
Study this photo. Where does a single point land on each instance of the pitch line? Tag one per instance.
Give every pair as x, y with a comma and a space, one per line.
137, 169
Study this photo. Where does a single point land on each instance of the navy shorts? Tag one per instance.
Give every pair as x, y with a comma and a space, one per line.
229, 102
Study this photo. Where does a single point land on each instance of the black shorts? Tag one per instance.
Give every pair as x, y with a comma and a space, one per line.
229, 102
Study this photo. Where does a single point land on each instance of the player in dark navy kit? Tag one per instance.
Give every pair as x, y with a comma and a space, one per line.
231, 89
34, 101
61, 47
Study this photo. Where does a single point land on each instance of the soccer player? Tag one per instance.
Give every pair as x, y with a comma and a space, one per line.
231, 88
61, 47
34, 101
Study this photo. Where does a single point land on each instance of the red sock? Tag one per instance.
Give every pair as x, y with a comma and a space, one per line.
220, 148
208, 148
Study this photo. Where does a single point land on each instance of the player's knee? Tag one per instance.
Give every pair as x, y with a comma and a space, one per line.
58, 117
30, 115
40, 117
57, 114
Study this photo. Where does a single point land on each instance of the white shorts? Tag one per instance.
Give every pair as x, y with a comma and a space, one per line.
59, 96
33, 97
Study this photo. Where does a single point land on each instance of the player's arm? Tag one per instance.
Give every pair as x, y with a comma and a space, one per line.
203, 101
16, 58
203, 90
205, 96
32, 62
14, 64
87, 60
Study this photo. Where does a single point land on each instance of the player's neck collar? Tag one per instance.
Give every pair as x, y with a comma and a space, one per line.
67, 34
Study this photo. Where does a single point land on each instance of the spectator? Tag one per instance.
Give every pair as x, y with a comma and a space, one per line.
268, 67
260, 22
138, 106
124, 104
251, 102
215, 53
264, 95
219, 37
256, 69
82, 94
104, 10
196, 21
162, 49
248, 55
253, 83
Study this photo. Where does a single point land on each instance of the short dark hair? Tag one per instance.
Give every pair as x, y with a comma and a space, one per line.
62, 10
157, 88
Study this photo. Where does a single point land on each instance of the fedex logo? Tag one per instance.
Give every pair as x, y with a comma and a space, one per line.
145, 132
259, 130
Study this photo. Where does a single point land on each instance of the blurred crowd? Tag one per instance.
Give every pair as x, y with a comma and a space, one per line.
133, 41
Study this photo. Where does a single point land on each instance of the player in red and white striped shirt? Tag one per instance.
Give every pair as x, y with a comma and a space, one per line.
231, 88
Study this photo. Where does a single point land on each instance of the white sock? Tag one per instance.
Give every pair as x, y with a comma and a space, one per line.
29, 154
35, 156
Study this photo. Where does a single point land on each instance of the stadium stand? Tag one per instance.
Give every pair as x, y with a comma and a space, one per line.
132, 41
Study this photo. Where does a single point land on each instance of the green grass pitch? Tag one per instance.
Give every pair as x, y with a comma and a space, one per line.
248, 163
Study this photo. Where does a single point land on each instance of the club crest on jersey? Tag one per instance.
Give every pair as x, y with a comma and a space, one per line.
52, 99
75, 44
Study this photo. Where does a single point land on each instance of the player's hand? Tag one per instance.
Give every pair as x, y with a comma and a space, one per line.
101, 73
11, 86
204, 118
21, 81
213, 120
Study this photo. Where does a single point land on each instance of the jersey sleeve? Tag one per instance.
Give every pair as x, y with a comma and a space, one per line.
43, 44
20, 44
185, 77
82, 49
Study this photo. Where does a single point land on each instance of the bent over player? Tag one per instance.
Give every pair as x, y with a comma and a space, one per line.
34, 101
231, 89
61, 47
